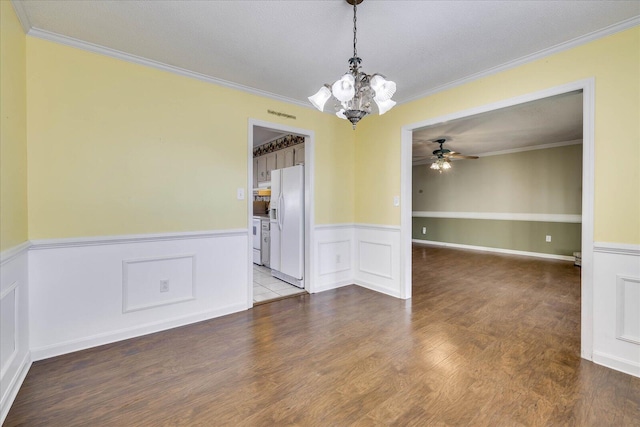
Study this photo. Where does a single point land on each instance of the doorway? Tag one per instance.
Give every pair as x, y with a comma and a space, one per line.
268, 283
587, 88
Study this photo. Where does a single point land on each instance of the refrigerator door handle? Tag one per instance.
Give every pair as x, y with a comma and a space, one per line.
281, 214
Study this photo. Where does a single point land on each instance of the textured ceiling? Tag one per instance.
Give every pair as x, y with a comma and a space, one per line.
290, 48
552, 120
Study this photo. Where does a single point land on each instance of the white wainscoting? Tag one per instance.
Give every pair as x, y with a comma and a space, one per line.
15, 358
616, 320
92, 291
334, 256
377, 258
362, 254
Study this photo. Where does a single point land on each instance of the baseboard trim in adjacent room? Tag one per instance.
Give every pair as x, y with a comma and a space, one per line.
616, 363
14, 387
496, 250
128, 333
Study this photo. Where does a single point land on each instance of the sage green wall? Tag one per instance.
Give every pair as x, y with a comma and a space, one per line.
526, 236
545, 181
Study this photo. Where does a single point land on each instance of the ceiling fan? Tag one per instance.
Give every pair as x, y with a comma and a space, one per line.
443, 156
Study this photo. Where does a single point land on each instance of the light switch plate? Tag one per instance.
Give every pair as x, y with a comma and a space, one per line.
396, 200
240, 193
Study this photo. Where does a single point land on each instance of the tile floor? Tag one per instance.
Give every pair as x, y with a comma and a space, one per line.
266, 287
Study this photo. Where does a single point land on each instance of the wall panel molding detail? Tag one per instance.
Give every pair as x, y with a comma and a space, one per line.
504, 216
141, 287
334, 256
15, 357
377, 261
627, 304
616, 304
375, 258
77, 289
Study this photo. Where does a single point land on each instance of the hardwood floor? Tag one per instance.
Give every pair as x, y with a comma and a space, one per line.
486, 340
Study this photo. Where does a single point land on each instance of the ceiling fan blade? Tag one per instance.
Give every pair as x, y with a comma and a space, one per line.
459, 156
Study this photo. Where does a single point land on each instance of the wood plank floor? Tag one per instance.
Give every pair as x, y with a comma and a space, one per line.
486, 340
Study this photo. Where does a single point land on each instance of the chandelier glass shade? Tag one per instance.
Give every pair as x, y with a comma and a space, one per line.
356, 92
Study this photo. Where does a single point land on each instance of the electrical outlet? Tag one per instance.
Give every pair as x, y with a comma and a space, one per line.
164, 285
548, 238
337, 259
424, 230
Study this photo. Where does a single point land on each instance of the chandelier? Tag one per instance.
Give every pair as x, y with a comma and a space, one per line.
355, 91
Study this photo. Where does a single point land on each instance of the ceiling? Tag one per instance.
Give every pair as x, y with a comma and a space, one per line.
553, 120
288, 49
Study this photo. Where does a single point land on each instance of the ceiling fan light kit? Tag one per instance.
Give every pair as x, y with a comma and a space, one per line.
356, 91
443, 157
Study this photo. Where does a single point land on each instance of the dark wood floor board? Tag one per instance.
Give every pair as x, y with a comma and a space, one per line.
486, 340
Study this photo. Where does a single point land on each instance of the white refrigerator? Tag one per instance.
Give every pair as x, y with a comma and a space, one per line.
287, 224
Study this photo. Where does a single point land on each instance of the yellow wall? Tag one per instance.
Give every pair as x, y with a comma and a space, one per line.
614, 61
13, 130
120, 148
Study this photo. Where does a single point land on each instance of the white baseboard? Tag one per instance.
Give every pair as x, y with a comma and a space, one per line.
378, 288
123, 334
613, 362
489, 249
14, 387
330, 286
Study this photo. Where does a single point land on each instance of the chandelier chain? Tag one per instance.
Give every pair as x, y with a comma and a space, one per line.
355, 29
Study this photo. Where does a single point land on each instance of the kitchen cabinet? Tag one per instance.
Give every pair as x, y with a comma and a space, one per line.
261, 164
285, 158
271, 164
255, 172
299, 155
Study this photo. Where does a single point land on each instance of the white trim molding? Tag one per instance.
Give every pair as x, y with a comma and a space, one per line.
587, 86
124, 56
604, 32
501, 216
10, 254
625, 309
490, 249
616, 248
132, 238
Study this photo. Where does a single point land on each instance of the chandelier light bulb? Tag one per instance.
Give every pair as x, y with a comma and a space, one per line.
446, 165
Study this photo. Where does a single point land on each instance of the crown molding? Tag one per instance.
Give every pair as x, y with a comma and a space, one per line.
607, 31
22, 15
95, 48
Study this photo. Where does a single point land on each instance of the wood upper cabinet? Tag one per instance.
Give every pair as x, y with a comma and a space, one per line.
262, 168
263, 165
299, 155
285, 158
271, 164
255, 172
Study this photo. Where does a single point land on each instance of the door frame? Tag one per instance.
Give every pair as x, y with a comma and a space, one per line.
588, 129
309, 218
